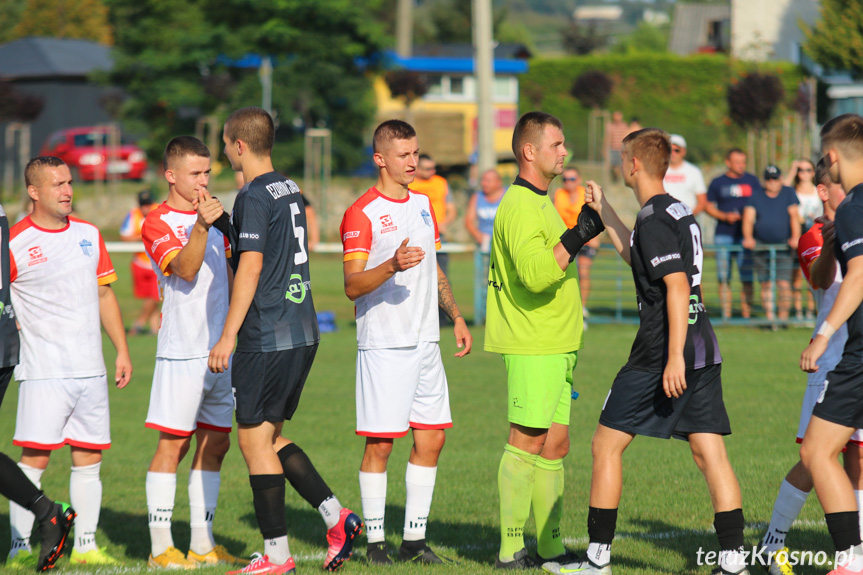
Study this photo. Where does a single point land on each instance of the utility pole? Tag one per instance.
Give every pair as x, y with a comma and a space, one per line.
484, 70
405, 28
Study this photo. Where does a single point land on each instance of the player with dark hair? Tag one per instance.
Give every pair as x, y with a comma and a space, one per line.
840, 410
145, 285
272, 319
818, 262
55, 519
186, 399
535, 321
63, 391
389, 236
671, 385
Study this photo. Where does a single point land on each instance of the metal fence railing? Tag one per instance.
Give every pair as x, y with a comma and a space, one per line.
612, 294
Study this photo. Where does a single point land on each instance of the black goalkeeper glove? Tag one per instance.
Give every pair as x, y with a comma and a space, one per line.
223, 224
588, 226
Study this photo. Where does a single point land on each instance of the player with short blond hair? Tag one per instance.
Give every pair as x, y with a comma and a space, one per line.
671, 385
272, 320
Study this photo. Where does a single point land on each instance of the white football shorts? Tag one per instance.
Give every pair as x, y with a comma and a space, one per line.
57, 412
186, 396
810, 398
401, 388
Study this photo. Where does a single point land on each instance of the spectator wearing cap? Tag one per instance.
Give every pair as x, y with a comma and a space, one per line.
683, 180
145, 285
771, 218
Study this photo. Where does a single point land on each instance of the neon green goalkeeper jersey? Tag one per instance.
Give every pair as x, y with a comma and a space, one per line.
533, 307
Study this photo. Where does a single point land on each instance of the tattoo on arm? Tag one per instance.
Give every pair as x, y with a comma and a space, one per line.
445, 299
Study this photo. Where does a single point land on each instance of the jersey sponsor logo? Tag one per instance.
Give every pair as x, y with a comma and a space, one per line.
426, 217
811, 252
739, 191
248, 236
297, 288
87, 248
674, 178
387, 223
678, 210
161, 240
282, 189
662, 259
848, 245
495, 285
36, 256
350, 235
695, 308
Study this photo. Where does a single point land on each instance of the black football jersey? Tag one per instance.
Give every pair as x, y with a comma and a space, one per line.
849, 245
667, 239
269, 217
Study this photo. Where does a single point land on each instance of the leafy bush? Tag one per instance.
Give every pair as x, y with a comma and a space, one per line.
685, 95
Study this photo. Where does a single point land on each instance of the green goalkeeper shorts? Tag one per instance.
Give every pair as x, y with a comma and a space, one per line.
539, 388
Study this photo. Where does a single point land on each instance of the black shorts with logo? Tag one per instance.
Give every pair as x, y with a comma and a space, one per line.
841, 402
268, 385
637, 404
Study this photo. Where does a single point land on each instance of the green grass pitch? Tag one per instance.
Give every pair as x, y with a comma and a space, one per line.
665, 514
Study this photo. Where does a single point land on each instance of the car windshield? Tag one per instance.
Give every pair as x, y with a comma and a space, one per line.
91, 139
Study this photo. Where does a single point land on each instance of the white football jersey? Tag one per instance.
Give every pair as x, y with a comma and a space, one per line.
193, 313
55, 277
403, 311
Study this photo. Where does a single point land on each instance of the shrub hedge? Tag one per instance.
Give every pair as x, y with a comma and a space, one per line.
685, 95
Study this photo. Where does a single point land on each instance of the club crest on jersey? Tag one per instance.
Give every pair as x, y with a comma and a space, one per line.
87, 248
181, 234
387, 223
36, 256
426, 217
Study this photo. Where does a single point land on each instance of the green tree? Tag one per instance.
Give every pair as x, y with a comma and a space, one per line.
174, 59
836, 39
87, 19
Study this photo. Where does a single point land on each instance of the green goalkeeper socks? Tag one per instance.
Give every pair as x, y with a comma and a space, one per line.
548, 507
515, 483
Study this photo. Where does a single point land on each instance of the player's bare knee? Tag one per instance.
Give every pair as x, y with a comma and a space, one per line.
378, 450
430, 443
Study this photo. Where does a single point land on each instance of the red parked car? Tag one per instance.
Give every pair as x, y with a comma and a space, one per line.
85, 150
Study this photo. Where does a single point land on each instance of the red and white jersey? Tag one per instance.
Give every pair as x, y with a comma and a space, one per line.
55, 277
402, 311
808, 249
193, 313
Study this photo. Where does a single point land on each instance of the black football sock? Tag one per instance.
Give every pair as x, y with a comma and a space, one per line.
268, 496
303, 476
729, 529
16, 486
844, 528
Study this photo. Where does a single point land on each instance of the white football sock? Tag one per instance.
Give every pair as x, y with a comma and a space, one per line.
85, 493
21, 520
203, 497
733, 560
419, 486
373, 493
161, 488
787, 507
277, 550
330, 511
599, 553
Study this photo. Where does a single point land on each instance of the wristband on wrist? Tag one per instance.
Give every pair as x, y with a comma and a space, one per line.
826, 330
